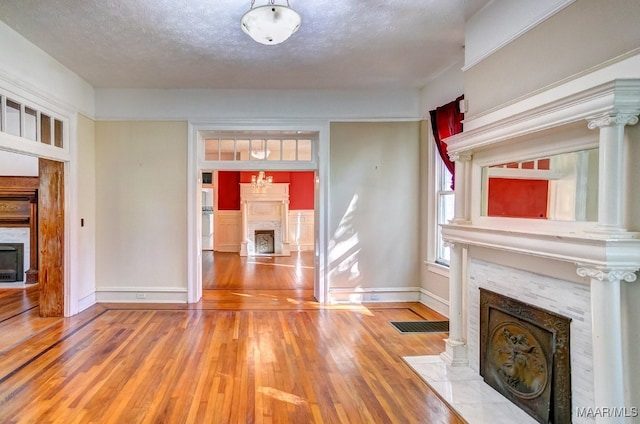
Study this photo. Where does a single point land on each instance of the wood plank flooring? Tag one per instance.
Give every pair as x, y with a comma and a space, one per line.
222, 270
239, 356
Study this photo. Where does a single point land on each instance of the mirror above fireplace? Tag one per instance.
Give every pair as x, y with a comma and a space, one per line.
561, 187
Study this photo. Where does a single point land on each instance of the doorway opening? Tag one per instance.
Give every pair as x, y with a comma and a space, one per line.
260, 238
246, 151
32, 231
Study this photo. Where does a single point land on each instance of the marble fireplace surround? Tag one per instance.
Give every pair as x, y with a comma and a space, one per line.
265, 208
592, 112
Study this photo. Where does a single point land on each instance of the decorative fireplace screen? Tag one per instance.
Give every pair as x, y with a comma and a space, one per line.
264, 241
524, 355
11, 262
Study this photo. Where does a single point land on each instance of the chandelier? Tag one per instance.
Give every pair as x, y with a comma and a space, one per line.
261, 181
270, 23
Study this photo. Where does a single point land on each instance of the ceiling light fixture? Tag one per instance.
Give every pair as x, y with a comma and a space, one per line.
271, 23
261, 152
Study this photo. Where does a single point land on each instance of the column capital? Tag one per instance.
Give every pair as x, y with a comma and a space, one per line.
454, 244
613, 274
611, 120
460, 156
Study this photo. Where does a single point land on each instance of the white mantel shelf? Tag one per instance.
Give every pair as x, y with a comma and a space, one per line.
584, 251
545, 111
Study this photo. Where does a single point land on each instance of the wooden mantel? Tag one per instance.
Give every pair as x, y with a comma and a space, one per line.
19, 208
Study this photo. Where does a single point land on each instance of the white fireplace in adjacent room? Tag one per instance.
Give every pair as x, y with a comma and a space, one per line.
264, 209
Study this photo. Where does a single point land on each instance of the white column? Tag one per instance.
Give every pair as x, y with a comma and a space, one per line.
285, 228
611, 188
455, 353
243, 243
462, 211
606, 325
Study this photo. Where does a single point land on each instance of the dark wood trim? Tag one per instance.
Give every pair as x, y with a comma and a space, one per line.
51, 238
19, 183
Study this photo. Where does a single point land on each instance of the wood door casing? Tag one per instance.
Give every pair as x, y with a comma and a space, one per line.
51, 238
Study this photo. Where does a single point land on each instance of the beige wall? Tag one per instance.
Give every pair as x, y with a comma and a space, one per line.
374, 204
141, 186
583, 35
434, 283
86, 207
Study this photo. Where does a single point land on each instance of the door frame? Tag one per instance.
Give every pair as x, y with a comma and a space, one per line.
68, 157
196, 165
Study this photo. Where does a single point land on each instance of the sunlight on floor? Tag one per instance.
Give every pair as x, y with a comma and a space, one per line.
280, 265
280, 395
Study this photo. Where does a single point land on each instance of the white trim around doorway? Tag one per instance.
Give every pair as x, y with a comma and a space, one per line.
196, 164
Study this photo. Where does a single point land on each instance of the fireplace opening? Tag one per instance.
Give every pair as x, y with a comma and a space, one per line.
264, 241
524, 355
11, 262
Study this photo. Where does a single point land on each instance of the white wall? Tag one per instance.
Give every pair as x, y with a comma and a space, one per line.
117, 104
373, 217
141, 215
31, 69
502, 21
86, 212
442, 90
16, 165
581, 36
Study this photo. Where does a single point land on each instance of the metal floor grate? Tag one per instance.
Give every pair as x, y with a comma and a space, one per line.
421, 326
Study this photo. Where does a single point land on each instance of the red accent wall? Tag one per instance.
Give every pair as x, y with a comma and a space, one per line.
229, 190
518, 198
301, 188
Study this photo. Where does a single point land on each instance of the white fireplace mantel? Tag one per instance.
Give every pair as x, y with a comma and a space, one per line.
592, 252
567, 118
265, 208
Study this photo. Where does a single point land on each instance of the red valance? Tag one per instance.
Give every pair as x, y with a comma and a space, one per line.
446, 121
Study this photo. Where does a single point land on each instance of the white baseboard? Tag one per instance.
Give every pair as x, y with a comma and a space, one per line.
231, 248
374, 294
300, 247
13, 285
141, 295
86, 301
434, 302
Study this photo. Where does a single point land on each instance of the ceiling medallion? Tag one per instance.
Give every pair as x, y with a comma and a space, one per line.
271, 23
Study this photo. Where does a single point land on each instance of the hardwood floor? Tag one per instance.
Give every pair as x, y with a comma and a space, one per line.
238, 356
221, 270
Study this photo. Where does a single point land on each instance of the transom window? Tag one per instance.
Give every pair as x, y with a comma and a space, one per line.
260, 147
29, 122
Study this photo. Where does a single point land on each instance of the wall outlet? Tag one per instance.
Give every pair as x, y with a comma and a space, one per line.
141, 295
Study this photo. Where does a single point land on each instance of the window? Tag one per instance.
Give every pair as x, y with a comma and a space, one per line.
444, 209
31, 123
272, 148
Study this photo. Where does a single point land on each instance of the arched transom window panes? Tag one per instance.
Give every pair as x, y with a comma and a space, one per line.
19, 118
259, 146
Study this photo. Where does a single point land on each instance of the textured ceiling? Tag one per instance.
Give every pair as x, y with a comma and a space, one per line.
199, 44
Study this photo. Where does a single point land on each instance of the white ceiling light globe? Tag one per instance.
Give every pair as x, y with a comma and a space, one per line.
270, 24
